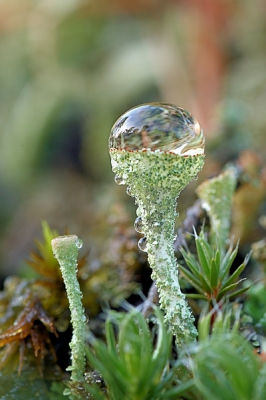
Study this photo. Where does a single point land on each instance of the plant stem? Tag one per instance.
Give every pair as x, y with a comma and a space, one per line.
155, 180
165, 271
65, 249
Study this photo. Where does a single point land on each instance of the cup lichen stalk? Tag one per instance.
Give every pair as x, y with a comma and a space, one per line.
216, 195
65, 249
156, 149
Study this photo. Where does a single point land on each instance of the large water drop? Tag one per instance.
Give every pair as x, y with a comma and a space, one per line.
158, 126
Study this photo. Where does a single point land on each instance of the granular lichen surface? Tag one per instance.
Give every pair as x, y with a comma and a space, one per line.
155, 180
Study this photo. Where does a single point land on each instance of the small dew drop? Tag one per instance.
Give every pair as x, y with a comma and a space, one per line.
142, 243
128, 192
119, 180
206, 206
138, 211
79, 243
138, 225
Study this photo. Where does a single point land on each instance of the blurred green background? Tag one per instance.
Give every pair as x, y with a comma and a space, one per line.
70, 68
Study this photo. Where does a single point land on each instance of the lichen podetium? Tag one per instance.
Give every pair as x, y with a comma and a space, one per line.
156, 149
65, 249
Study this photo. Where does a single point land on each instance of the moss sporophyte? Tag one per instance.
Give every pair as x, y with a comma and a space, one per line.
156, 149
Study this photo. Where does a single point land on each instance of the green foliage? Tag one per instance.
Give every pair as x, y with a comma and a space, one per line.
44, 262
218, 321
131, 368
27, 385
68, 61
255, 304
209, 273
225, 368
57, 390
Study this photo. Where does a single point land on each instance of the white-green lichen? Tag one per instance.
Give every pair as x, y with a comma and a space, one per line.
155, 179
65, 249
216, 195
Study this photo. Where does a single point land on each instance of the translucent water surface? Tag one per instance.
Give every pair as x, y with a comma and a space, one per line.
158, 126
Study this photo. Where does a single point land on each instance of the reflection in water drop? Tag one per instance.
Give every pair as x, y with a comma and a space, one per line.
128, 191
142, 243
158, 126
119, 180
138, 225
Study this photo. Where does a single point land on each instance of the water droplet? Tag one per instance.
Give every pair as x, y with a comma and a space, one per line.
142, 243
138, 211
158, 127
128, 191
79, 243
119, 180
138, 225
206, 206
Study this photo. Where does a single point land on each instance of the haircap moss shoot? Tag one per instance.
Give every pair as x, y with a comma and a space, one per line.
156, 149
